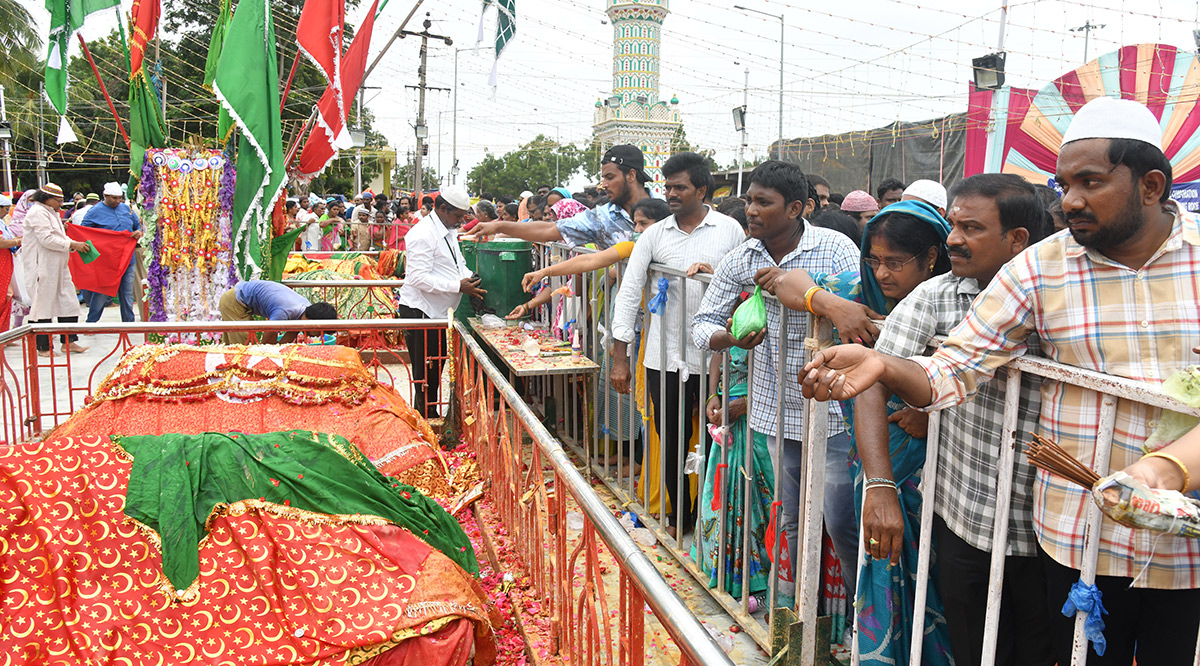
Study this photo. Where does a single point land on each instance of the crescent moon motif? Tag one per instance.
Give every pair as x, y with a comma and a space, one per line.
163, 628
249, 635
357, 597
295, 655
129, 580
39, 574
215, 653
338, 581
208, 619
412, 584
369, 622
382, 595
83, 594
340, 631
278, 633
24, 597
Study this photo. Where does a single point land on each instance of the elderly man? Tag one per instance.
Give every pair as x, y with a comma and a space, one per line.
114, 214
1115, 295
436, 277
46, 249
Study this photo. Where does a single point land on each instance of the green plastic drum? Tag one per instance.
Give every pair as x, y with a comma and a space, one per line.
502, 263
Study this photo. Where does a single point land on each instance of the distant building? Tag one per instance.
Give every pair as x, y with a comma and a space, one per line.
634, 113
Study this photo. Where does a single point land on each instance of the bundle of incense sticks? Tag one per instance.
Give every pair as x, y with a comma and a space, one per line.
1046, 455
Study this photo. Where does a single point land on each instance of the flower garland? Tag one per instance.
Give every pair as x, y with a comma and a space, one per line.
191, 195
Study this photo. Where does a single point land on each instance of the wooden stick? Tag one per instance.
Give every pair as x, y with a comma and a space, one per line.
1048, 456
103, 89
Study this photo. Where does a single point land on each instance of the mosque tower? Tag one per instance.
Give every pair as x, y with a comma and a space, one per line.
634, 113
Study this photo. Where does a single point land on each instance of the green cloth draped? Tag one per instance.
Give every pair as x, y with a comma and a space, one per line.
178, 480
280, 247
224, 15
66, 17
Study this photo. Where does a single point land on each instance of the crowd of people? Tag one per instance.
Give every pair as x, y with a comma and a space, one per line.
1099, 277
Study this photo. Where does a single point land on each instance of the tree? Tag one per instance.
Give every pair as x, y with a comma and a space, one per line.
538, 162
19, 40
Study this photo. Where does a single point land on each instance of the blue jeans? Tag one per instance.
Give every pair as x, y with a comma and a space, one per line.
124, 295
838, 505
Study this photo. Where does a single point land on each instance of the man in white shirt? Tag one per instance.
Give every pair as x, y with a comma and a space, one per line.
308, 216
693, 233
81, 208
436, 277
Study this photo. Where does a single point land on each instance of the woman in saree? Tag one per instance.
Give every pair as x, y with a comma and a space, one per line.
904, 245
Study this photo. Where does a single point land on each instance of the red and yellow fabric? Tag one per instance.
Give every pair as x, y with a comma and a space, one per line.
158, 389
84, 584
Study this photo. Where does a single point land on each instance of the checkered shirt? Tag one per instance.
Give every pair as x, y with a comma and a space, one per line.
970, 444
820, 251
1093, 313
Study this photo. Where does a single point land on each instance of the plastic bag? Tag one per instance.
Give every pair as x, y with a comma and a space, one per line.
1133, 504
694, 464
531, 346
751, 316
574, 521
491, 321
658, 303
1184, 386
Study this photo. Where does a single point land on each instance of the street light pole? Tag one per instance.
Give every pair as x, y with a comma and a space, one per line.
782, 33
454, 118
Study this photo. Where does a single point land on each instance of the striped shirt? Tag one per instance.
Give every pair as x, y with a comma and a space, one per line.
820, 251
1097, 314
971, 432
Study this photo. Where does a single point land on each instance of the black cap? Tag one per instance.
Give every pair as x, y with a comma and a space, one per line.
627, 156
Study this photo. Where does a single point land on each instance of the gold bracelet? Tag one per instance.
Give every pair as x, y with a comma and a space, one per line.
1187, 478
808, 296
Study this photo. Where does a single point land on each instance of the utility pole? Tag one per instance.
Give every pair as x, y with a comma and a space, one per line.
422, 130
358, 156
742, 148
1087, 29
454, 118
41, 163
7, 152
782, 34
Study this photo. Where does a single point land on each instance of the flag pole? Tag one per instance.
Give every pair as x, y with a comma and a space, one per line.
287, 88
103, 89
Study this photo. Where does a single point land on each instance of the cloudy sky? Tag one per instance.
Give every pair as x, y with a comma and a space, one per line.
847, 66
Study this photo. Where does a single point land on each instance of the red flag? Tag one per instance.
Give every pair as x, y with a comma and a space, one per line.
144, 22
318, 152
104, 274
319, 36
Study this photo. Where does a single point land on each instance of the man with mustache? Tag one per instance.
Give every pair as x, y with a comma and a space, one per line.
1116, 295
693, 233
993, 218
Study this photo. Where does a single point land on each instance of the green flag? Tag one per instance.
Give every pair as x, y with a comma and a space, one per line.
66, 16
247, 84
224, 16
145, 123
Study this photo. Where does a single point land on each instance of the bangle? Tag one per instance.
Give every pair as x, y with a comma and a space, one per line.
715, 395
1187, 478
808, 296
877, 481
880, 485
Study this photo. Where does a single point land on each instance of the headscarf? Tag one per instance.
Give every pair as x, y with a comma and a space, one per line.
565, 208
566, 194
19, 210
872, 294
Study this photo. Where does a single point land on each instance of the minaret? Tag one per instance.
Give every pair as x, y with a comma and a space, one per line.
635, 114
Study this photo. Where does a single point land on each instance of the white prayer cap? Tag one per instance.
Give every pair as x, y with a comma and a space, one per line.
931, 192
5, 201
457, 197
526, 194
1108, 118
113, 189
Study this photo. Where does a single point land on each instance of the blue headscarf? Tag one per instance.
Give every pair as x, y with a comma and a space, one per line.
872, 294
566, 194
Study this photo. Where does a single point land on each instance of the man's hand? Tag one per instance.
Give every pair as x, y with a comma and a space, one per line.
699, 267
737, 409
530, 279
840, 373
912, 422
79, 246
749, 341
767, 277
883, 524
855, 322
137, 235
470, 288
483, 230
619, 377
1158, 473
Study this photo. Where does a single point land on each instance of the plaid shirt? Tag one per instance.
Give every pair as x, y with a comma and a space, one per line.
820, 251
1093, 313
970, 444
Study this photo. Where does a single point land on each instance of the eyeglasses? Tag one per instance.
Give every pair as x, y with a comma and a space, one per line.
893, 265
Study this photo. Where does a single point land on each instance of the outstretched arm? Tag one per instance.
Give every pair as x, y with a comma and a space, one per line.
854, 322
582, 263
845, 371
536, 232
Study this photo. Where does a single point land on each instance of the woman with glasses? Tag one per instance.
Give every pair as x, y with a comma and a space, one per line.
902, 246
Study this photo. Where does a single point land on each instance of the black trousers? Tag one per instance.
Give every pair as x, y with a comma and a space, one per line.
668, 432
963, 571
426, 352
43, 341
1158, 626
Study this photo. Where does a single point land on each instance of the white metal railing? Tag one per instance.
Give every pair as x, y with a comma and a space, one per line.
593, 294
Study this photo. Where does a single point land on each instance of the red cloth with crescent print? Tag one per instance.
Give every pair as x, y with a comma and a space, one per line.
81, 583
